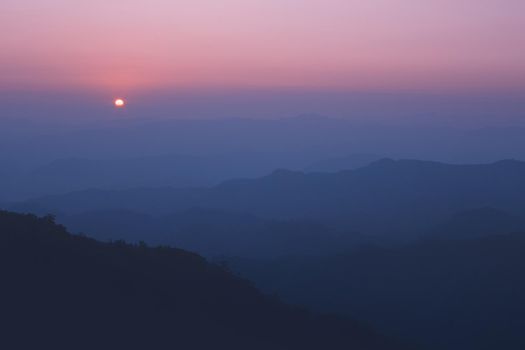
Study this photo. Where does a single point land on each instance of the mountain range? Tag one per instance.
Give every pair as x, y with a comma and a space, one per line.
443, 294
387, 197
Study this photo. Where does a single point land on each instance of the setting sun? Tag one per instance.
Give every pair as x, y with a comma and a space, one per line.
119, 102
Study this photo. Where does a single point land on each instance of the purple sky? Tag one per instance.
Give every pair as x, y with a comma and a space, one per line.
123, 47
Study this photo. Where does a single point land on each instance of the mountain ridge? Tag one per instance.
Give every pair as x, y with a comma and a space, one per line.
394, 191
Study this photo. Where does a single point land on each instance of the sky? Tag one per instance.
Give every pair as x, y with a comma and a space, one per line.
123, 47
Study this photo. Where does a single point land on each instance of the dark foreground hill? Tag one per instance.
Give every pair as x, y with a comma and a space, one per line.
65, 291
451, 294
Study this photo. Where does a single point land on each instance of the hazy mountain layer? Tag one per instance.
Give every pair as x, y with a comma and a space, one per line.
454, 295
405, 197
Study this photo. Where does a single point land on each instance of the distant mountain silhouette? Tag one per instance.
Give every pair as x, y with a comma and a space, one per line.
479, 223
453, 294
63, 291
300, 141
215, 232
350, 162
404, 197
74, 174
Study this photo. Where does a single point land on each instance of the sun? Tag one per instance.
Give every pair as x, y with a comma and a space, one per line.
119, 102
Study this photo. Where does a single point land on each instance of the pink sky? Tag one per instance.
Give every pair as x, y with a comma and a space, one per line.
121, 46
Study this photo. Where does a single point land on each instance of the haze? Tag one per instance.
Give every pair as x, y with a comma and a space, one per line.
117, 46
262, 174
